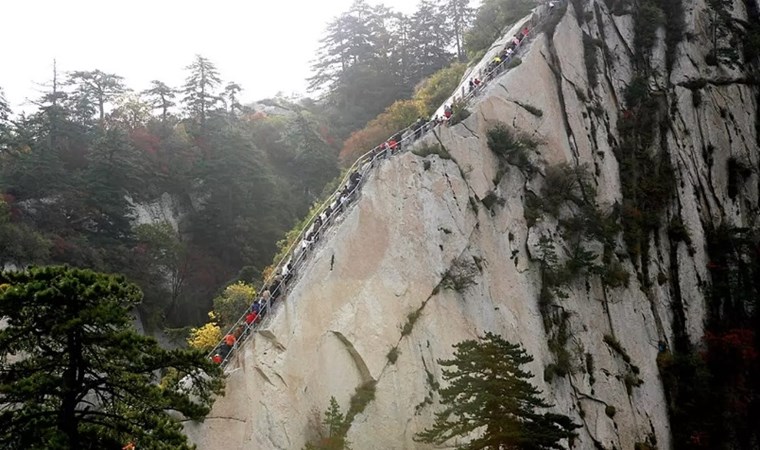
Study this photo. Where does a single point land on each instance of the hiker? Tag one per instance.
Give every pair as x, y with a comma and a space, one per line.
418, 126
477, 82
393, 145
275, 288
355, 178
472, 85
250, 318
447, 112
230, 340
217, 358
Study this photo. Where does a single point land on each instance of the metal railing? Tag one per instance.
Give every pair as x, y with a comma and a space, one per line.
363, 166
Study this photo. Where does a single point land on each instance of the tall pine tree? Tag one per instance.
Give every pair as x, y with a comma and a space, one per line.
490, 400
75, 374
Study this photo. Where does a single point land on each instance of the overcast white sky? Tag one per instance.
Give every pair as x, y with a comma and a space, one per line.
264, 45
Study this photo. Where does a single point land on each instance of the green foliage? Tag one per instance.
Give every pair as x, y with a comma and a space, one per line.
511, 148
434, 90
362, 396
233, 302
460, 275
392, 355
589, 57
81, 376
649, 18
533, 110
332, 434
615, 345
19, 243
431, 149
514, 62
646, 173
459, 112
411, 319
490, 402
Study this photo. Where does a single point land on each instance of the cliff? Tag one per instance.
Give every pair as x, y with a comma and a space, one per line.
378, 279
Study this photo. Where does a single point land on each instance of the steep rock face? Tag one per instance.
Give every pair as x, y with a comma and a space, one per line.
357, 295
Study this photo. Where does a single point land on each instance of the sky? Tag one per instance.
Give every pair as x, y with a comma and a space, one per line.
264, 45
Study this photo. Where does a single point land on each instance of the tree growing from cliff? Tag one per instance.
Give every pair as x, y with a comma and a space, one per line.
490, 400
74, 374
333, 436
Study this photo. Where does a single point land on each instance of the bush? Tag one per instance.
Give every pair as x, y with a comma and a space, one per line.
431, 149
363, 395
459, 112
435, 89
511, 148
514, 62
610, 411
532, 109
461, 275
566, 184
206, 337
393, 355
615, 345
233, 302
411, 319
614, 275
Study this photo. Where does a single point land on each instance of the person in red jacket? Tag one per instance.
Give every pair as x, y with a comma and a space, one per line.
250, 318
217, 358
230, 340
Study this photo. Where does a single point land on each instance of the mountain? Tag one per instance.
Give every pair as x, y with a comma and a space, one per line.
599, 206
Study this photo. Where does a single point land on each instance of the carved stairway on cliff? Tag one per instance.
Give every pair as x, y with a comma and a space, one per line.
298, 251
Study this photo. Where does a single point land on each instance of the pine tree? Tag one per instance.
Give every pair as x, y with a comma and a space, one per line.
74, 373
200, 96
5, 124
94, 89
334, 436
160, 96
490, 398
459, 16
430, 40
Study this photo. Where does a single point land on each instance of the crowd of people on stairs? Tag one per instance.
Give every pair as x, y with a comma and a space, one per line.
276, 287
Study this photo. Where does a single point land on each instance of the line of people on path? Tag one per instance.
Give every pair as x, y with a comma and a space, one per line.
338, 202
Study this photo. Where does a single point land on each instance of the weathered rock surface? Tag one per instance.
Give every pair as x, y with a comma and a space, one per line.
416, 216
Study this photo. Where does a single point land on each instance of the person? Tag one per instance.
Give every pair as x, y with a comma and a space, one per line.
275, 288
250, 318
392, 145
477, 81
266, 295
472, 85
447, 112
355, 178
525, 31
224, 349
287, 272
551, 6
318, 223
418, 127
516, 41
217, 358
230, 340
130, 445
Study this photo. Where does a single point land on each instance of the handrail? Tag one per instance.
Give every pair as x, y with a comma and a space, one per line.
368, 157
